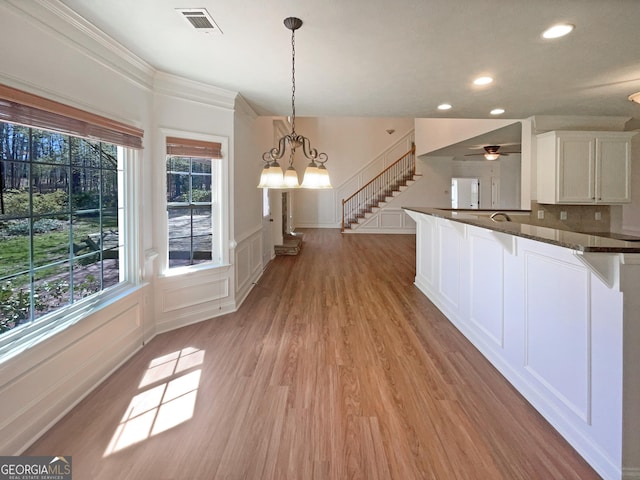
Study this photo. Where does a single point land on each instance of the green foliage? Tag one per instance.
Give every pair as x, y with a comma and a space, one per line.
201, 195
21, 227
15, 303
17, 202
14, 306
86, 200
53, 202
88, 286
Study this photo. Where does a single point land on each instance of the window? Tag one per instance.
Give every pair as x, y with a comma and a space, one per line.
61, 213
193, 202
59, 221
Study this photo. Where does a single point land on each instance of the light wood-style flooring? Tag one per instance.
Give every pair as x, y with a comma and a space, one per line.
335, 367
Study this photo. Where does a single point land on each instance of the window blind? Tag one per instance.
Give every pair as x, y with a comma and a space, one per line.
183, 147
17, 106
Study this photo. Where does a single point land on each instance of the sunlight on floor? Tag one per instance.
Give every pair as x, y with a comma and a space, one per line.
161, 406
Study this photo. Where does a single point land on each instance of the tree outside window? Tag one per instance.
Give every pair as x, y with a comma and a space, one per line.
60, 236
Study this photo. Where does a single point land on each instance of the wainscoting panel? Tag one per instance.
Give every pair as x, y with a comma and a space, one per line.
486, 287
425, 254
557, 300
193, 297
249, 267
195, 294
70, 365
387, 220
449, 262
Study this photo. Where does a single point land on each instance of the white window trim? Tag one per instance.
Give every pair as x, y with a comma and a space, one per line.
161, 212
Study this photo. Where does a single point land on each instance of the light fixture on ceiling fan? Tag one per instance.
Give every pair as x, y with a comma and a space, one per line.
316, 174
492, 152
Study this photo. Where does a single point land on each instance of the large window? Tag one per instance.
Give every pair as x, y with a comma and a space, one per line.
63, 246
59, 221
193, 206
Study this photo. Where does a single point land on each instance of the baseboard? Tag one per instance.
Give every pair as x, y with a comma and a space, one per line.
69, 405
196, 316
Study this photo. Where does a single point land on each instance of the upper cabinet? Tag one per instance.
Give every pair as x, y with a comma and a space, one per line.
584, 167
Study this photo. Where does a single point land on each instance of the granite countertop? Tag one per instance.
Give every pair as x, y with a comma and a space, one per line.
582, 242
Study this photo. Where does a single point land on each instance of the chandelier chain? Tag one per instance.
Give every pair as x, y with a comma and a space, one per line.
293, 81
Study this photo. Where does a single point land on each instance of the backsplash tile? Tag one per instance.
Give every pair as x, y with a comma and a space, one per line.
580, 218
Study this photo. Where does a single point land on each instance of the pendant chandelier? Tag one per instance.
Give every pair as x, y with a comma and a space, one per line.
316, 174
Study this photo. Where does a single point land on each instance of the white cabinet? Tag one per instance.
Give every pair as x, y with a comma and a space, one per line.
584, 167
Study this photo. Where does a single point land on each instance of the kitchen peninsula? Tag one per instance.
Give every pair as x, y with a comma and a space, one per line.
556, 312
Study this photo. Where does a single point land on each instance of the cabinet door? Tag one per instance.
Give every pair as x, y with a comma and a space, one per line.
576, 169
613, 168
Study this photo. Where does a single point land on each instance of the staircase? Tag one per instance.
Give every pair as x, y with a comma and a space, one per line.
373, 196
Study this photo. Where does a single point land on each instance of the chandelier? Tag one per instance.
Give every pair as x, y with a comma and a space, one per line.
316, 174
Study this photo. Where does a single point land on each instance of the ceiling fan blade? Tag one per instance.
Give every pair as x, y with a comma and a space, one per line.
483, 154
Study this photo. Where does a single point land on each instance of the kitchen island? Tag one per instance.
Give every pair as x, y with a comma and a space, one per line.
556, 312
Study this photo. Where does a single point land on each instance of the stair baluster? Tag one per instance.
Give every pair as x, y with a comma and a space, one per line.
378, 189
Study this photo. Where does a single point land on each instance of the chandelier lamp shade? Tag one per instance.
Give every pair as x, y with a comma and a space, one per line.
316, 174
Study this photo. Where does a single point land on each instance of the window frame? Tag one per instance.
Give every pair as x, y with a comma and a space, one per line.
33, 111
16, 341
221, 203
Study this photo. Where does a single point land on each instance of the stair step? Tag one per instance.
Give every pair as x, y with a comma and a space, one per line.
375, 204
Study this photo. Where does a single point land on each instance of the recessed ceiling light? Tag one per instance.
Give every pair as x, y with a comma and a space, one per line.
635, 97
444, 106
483, 81
497, 111
559, 30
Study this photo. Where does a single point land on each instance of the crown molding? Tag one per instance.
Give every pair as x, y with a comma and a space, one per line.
57, 19
243, 107
186, 89
545, 123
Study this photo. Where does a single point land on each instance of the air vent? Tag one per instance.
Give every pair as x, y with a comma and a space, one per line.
199, 19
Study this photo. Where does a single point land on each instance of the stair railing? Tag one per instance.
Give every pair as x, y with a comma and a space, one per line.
378, 188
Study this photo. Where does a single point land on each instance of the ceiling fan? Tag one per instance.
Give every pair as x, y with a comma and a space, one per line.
492, 152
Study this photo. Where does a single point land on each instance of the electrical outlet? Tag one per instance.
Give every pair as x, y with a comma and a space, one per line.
563, 215
598, 216
540, 214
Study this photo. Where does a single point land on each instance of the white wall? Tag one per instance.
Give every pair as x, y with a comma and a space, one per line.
434, 190
630, 221
189, 109
435, 133
505, 170
41, 384
510, 181
250, 133
351, 143
57, 59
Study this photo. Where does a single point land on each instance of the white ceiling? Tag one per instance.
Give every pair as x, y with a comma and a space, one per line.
397, 58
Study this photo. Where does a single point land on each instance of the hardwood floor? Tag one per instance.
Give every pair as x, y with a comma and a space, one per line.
335, 367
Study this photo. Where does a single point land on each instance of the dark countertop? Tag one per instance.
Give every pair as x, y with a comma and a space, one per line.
582, 242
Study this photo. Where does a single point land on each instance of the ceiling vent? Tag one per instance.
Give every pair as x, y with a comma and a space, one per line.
199, 19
